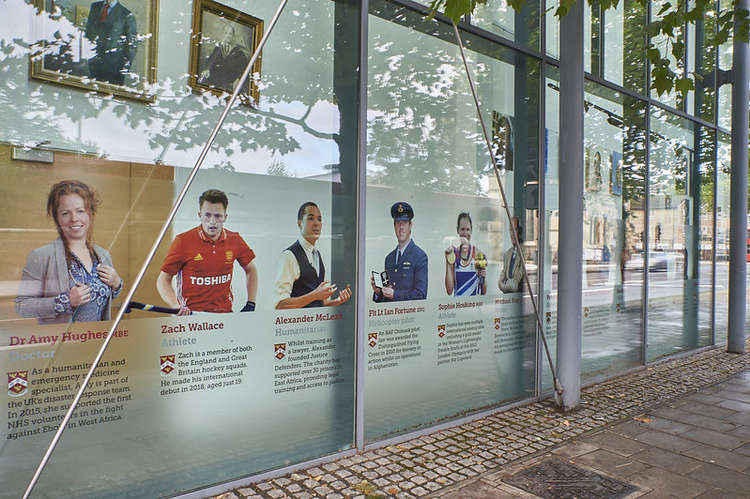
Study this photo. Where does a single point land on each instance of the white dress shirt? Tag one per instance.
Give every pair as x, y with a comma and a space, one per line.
289, 270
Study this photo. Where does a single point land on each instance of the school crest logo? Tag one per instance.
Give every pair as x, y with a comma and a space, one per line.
441, 330
198, 258
229, 256
167, 364
372, 339
586, 312
548, 316
18, 383
279, 350
497, 322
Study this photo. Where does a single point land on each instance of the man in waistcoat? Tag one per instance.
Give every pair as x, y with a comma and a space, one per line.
300, 279
406, 265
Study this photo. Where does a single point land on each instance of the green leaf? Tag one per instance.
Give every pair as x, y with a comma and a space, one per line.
684, 85
653, 29
662, 79
664, 8
653, 55
456, 9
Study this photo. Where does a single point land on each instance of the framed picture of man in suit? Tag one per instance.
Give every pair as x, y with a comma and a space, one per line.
108, 46
223, 42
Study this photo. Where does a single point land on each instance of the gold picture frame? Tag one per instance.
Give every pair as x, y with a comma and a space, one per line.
222, 44
80, 45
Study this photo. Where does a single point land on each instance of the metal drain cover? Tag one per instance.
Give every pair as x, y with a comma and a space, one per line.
556, 479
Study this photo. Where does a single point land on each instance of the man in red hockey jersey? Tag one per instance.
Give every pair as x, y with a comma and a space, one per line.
201, 261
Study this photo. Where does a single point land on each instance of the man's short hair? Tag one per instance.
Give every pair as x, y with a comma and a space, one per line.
213, 196
301, 211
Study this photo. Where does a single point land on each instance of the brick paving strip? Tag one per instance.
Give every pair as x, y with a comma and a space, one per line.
439, 462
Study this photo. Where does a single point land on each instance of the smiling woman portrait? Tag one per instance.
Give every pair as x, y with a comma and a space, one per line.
70, 279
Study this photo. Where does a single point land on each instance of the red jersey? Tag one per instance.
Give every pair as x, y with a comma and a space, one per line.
204, 268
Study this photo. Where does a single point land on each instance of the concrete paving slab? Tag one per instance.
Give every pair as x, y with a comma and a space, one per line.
711, 411
574, 449
630, 428
735, 405
483, 490
720, 494
663, 424
615, 443
714, 438
683, 416
614, 464
709, 454
704, 398
720, 477
744, 450
667, 484
665, 441
742, 432
668, 460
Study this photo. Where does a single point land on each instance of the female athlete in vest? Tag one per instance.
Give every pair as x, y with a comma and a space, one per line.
466, 265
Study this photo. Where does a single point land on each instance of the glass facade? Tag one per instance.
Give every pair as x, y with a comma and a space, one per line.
613, 218
680, 302
344, 258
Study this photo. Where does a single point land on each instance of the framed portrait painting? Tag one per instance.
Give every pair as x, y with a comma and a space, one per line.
223, 42
107, 46
502, 141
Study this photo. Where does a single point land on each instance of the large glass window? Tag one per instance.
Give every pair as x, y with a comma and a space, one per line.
613, 221
723, 205
625, 45
447, 313
680, 211
179, 402
551, 234
522, 27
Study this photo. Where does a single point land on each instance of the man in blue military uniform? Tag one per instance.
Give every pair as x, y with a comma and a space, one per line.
406, 265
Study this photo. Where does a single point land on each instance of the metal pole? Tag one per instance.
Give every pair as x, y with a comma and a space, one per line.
363, 290
738, 195
513, 234
152, 252
570, 253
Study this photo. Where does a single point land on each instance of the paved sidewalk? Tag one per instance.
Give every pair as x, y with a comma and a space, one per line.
695, 442
694, 446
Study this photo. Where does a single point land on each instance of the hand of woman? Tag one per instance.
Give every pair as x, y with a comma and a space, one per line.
79, 294
109, 276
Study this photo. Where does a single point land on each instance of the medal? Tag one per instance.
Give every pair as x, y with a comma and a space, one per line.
451, 257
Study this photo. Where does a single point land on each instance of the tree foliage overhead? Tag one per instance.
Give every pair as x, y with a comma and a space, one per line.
666, 32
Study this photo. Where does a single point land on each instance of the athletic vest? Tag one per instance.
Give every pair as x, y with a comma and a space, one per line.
307, 280
467, 281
